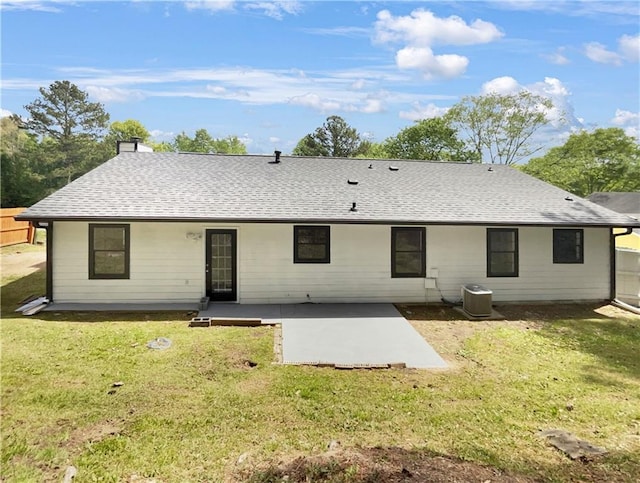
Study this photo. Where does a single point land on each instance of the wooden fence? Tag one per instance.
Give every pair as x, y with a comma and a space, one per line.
13, 232
628, 276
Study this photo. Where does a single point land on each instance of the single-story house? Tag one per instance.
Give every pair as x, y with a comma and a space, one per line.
149, 227
622, 202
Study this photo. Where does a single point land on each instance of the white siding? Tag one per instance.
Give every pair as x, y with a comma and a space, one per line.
167, 265
360, 268
459, 253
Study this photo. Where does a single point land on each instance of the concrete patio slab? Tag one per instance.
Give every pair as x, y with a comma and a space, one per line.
356, 341
358, 335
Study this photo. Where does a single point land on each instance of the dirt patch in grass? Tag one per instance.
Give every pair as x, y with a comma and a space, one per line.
18, 263
396, 464
446, 330
239, 358
93, 434
551, 312
390, 465
521, 312
447, 337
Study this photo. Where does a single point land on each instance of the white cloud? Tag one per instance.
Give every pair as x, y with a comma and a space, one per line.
210, 5
621, 11
629, 47
562, 111
276, 9
314, 101
558, 57
445, 66
623, 118
5, 113
159, 136
50, 6
274, 139
630, 121
338, 31
220, 92
551, 87
628, 50
501, 85
246, 139
320, 90
114, 94
633, 131
372, 106
597, 52
423, 112
423, 28
217, 89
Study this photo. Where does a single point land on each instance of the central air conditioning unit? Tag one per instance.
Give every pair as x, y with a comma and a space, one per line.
476, 300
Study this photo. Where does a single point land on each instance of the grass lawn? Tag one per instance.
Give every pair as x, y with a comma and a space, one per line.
189, 412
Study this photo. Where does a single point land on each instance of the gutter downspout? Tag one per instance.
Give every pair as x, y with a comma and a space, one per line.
612, 263
626, 306
49, 263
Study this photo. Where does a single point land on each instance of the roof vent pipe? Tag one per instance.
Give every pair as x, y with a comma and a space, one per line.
277, 153
353, 207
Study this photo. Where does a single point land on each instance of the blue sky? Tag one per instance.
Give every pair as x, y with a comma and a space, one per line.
271, 72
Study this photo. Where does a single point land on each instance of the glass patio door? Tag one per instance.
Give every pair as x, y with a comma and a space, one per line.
221, 273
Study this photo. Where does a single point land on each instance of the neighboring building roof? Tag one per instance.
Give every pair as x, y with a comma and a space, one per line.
176, 186
627, 203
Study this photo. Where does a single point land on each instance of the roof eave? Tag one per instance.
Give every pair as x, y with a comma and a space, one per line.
346, 220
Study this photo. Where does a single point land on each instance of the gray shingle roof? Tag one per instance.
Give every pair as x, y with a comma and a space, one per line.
622, 202
172, 186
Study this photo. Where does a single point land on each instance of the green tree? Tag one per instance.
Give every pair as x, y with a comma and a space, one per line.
374, 151
431, 139
230, 145
14, 136
162, 146
123, 131
200, 143
501, 125
21, 182
334, 138
64, 114
602, 160
309, 146
203, 142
